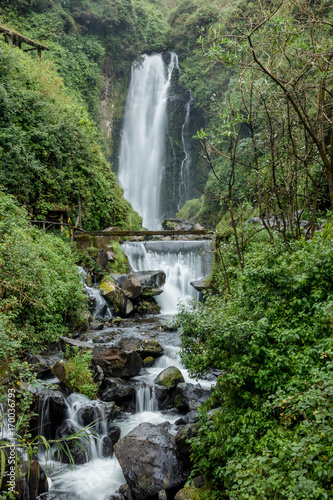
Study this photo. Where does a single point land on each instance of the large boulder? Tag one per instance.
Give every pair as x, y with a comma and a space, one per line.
150, 279
189, 397
117, 390
150, 461
97, 411
130, 285
67, 341
118, 299
145, 347
169, 377
52, 411
117, 363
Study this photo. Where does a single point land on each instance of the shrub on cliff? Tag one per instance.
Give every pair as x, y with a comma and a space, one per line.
40, 287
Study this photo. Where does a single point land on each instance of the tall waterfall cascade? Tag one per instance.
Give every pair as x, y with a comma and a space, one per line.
182, 262
142, 142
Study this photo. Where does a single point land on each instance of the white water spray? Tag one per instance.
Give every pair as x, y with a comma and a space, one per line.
182, 262
142, 141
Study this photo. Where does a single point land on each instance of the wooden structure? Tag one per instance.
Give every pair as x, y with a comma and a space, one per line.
118, 234
15, 38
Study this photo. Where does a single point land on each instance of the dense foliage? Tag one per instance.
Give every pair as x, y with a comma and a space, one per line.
41, 298
269, 329
49, 150
41, 291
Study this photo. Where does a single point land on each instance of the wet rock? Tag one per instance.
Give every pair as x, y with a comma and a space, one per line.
103, 260
196, 489
117, 390
165, 397
149, 460
30, 481
162, 495
148, 362
52, 410
97, 411
145, 347
119, 301
96, 325
185, 432
150, 279
109, 441
189, 397
78, 454
40, 365
190, 418
117, 363
66, 341
130, 285
169, 377
114, 433
146, 306
200, 285
116, 496
126, 492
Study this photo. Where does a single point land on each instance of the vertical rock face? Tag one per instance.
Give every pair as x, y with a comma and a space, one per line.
174, 154
181, 150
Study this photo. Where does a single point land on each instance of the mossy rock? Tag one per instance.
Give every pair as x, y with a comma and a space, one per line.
148, 307
169, 377
196, 490
147, 362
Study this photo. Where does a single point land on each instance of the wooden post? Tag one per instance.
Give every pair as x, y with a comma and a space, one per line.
61, 221
44, 227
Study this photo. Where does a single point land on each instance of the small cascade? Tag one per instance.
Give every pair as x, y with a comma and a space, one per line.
146, 399
97, 304
182, 262
76, 402
187, 161
141, 153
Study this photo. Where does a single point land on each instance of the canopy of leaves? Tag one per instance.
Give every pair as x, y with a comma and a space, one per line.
49, 147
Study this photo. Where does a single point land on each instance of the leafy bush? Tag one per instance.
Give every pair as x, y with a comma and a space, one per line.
40, 287
271, 335
79, 377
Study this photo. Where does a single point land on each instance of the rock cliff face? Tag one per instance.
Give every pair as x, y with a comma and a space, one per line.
178, 136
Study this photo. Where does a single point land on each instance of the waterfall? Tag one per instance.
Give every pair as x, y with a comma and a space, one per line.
186, 163
182, 262
146, 399
97, 304
141, 153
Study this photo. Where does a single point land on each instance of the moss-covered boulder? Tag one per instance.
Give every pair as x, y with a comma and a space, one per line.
117, 298
148, 306
144, 347
169, 377
148, 362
